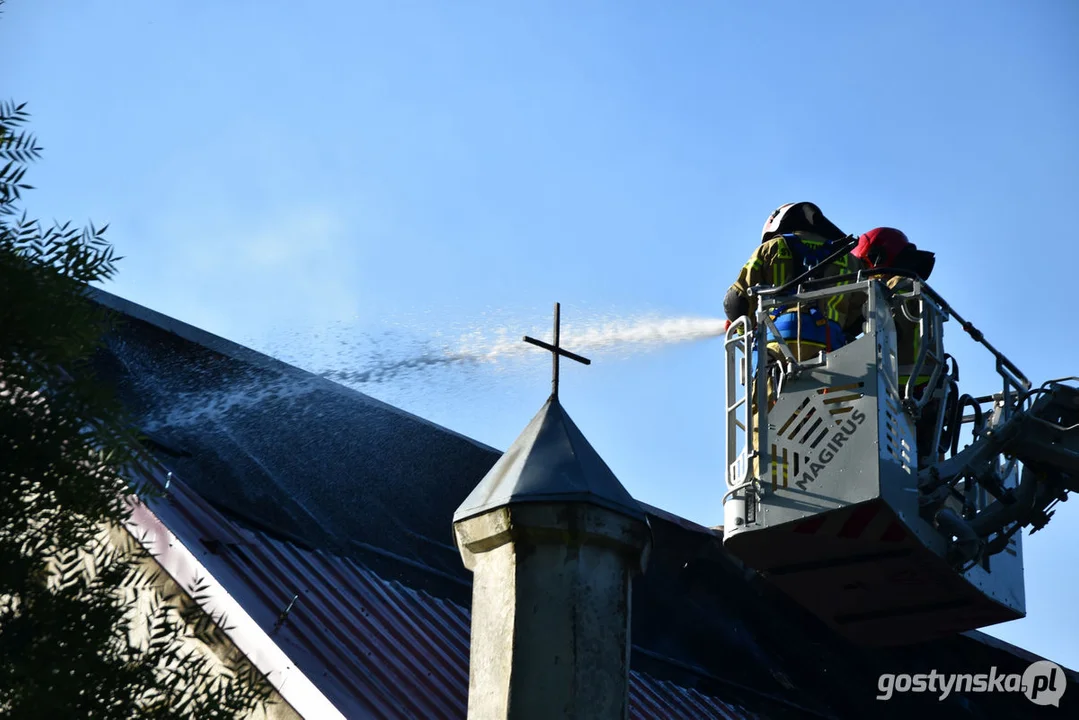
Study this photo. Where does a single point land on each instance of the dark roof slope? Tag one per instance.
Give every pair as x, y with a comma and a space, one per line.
294, 452
328, 468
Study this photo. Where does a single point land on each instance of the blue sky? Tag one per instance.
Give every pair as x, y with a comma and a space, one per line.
276, 173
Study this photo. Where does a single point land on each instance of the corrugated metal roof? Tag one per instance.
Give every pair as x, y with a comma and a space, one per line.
374, 647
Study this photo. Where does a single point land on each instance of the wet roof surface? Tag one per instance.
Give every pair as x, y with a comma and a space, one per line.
297, 453
313, 466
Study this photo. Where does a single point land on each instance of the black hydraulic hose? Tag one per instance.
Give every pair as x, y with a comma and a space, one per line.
955, 367
957, 419
949, 430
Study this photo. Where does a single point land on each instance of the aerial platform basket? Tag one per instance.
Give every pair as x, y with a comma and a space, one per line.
824, 492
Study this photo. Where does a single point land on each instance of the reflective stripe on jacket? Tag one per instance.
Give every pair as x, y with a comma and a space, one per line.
773, 263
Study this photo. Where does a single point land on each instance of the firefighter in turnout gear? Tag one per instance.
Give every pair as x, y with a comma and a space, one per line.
795, 238
886, 247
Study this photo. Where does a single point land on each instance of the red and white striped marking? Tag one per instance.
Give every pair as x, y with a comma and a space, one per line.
871, 521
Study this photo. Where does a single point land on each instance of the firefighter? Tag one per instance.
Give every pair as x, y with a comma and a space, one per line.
795, 237
886, 247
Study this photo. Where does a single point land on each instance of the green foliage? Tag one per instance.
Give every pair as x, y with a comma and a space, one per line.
74, 586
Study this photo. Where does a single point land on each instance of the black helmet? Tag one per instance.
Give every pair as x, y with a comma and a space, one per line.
800, 217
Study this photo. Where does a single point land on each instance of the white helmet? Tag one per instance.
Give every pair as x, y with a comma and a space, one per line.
804, 216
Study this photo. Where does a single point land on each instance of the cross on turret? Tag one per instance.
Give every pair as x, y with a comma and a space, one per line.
556, 350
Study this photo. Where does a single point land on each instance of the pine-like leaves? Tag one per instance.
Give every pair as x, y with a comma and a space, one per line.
17, 148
